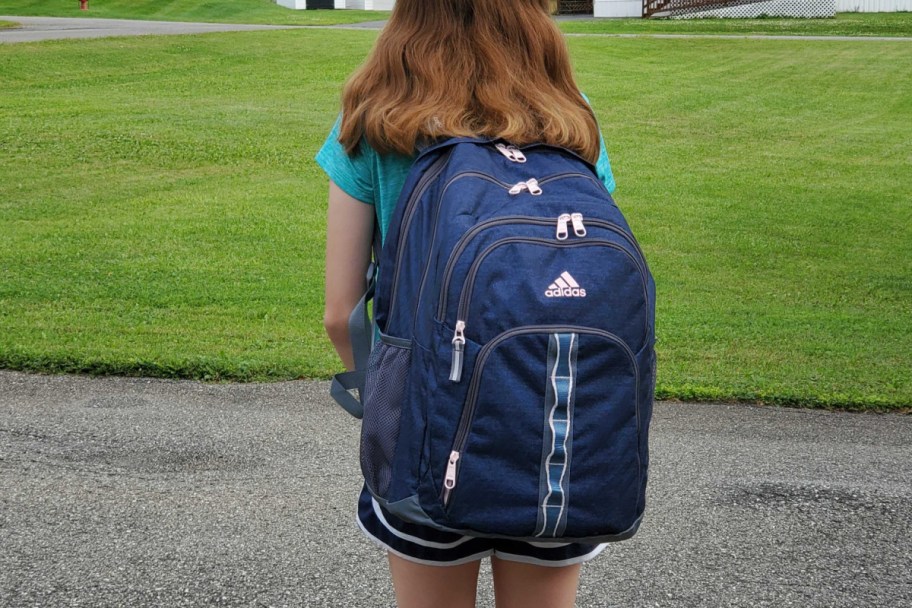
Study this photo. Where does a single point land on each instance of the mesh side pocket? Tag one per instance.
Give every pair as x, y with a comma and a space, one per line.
384, 390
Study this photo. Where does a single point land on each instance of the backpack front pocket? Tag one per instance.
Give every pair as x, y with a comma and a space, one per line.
547, 438
522, 281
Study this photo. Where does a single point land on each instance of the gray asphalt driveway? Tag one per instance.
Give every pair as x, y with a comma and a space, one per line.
138, 492
52, 28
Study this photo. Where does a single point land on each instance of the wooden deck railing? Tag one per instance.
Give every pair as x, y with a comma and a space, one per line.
654, 8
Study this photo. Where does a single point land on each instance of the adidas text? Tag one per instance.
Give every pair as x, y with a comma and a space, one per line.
565, 286
566, 292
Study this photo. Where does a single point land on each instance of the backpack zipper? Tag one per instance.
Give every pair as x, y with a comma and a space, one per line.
579, 229
425, 182
530, 184
458, 348
468, 412
511, 152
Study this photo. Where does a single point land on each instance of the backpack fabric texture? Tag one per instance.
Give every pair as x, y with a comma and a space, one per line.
510, 392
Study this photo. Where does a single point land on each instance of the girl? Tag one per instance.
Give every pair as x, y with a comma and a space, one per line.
496, 68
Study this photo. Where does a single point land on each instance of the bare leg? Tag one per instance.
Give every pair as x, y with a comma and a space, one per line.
420, 586
518, 585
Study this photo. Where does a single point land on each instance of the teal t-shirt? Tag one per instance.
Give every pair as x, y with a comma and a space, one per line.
377, 179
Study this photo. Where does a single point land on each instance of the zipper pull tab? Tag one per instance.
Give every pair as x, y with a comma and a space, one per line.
562, 221
520, 187
578, 228
511, 152
458, 348
505, 150
530, 184
449, 481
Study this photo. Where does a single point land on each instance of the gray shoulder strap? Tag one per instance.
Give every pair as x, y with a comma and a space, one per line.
361, 333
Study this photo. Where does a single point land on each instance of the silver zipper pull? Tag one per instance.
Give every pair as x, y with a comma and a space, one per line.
530, 184
578, 228
562, 232
458, 348
511, 152
505, 150
449, 481
520, 187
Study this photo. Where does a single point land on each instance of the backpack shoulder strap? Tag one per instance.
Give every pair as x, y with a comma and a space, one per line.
361, 334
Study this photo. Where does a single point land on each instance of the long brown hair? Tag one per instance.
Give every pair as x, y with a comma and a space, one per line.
491, 68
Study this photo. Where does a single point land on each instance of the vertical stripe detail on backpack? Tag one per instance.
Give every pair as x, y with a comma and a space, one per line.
557, 436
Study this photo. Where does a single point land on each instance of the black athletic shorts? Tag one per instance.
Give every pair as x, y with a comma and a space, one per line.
426, 545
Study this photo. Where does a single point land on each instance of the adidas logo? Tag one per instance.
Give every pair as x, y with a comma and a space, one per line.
565, 286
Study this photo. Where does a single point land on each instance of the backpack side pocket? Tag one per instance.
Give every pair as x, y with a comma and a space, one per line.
384, 392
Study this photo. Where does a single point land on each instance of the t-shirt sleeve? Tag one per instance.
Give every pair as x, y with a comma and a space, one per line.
603, 166
352, 174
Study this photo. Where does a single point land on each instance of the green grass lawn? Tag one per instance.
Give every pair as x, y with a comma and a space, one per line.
229, 11
844, 24
161, 214
4, 24
266, 11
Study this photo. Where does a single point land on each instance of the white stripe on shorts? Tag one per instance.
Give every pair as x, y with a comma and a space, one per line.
427, 562
414, 539
526, 559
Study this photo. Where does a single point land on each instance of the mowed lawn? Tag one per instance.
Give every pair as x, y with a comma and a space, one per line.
842, 24
161, 214
227, 11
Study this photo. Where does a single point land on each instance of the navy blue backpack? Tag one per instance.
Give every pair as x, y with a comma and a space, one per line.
510, 391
